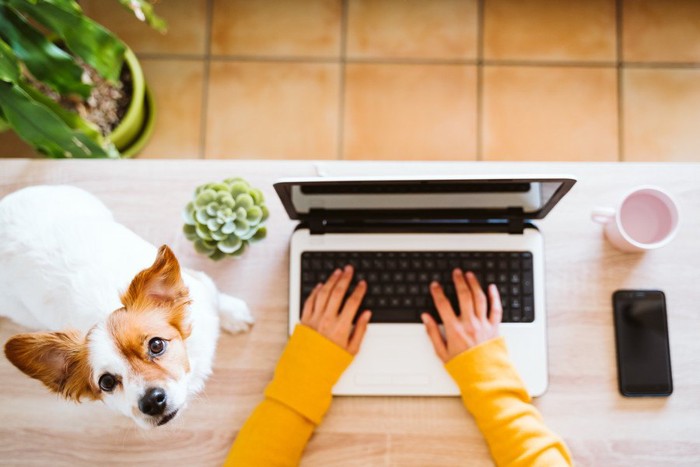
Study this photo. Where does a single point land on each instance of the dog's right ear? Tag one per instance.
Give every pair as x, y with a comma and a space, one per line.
57, 359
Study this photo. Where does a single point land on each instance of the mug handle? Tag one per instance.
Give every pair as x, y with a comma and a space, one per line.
602, 215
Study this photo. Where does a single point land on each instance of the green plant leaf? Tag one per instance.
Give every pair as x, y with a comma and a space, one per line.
190, 232
203, 232
9, 68
242, 226
43, 59
203, 248
260, 234
87, 39
41, 128
204, 197
68, 5
188, 215
230, 245
143, 10
228, 227
217, 255
255, 215
238, 186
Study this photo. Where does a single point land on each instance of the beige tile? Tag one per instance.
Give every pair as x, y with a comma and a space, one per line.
437, 29
302, 28
186, 25
654, 31
177, 90
12, 146
661, 112
412, 112
276, 110
549, 30
550, 114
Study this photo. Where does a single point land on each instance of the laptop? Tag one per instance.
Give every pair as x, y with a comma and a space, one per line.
401, 233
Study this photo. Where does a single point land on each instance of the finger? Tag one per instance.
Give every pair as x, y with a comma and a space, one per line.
496, 305
308, 309
359, 333
443, 305
324, 293
338, 292
352, 304
464, 295
478, 296
435, 337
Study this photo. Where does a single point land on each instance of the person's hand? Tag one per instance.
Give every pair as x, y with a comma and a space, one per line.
321, 310
473, 326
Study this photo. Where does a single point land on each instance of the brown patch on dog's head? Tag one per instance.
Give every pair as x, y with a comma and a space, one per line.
132, 333
155, 306
161, 287
57, 359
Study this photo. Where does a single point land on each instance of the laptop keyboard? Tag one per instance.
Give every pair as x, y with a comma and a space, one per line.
397, 282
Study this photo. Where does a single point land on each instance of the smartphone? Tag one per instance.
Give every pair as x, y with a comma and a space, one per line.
641, 338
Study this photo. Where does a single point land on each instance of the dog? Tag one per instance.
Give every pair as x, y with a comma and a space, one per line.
120, 321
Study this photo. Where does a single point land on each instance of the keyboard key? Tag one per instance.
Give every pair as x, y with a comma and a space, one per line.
527, 283
528, 309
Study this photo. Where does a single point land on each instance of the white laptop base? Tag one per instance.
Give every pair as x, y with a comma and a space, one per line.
399, 359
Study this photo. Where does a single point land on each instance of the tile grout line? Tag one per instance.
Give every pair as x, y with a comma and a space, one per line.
421, 61
479, 78
620, 88
206, 75
341, 85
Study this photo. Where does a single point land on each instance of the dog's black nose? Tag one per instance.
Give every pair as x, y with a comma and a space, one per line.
153, 402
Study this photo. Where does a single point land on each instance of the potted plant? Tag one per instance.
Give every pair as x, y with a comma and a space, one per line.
68, 86
224, 217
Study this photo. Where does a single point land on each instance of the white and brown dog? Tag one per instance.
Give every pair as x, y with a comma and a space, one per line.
126, 325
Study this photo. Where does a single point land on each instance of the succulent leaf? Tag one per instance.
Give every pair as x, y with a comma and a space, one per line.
260, 234
245, 201
188, 214
254, 215
202, 247
203, 232
190, 232
239, 187
205, 197
230, 245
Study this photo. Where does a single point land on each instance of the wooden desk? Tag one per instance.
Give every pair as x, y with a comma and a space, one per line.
582, 404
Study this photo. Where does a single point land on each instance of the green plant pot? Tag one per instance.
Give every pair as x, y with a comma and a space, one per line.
132, 125
149, 119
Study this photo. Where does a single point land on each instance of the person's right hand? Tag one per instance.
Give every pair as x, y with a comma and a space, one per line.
473, 326
321, 310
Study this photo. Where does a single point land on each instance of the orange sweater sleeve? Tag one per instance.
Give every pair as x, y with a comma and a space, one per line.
495, 395
295, 402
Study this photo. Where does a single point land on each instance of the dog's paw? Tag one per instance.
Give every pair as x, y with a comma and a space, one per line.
234, 314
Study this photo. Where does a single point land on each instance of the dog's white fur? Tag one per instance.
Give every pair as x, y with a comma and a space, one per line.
64, 262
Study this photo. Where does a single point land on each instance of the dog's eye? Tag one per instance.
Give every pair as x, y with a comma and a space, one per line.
156, 346
107, 382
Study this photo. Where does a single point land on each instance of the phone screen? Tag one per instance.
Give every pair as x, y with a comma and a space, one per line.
641, 335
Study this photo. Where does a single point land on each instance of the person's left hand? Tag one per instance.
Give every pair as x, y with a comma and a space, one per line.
321, 310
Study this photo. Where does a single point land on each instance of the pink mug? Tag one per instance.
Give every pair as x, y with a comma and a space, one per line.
647, 218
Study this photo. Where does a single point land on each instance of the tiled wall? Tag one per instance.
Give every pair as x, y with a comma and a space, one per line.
594, 80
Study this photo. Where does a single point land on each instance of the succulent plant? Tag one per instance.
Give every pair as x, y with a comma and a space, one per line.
224, 217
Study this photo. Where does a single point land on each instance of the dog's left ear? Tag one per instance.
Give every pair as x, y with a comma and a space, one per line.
161, 282
57, 359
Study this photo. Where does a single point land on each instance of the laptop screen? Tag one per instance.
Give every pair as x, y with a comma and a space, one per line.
445, 197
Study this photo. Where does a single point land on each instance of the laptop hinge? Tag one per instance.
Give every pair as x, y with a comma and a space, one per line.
516, 221
317, 225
